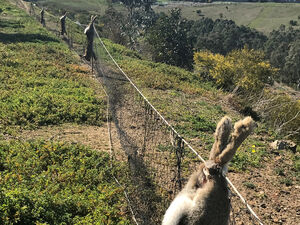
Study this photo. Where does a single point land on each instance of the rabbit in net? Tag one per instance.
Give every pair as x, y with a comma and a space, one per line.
204, 199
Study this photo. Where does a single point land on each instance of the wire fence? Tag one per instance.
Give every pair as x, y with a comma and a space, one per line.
159, 159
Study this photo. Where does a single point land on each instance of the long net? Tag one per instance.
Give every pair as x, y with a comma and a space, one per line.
159, 159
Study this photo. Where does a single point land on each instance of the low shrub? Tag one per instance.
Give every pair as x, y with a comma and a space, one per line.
57, 183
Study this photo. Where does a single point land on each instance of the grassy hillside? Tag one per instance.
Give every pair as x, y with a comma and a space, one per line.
264, 17
56, 183
97, 6
41, 80
44, 84
78, 10
193, 107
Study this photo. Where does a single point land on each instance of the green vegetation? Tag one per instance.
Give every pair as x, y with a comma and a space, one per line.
282, 49
279, 171
182, 37
264, 17
56, 183
40, 180
77, 9
250, 155
297, 163
188, 101
244, 69
249, 185
172, 46
286, 181
41, 82
223, 36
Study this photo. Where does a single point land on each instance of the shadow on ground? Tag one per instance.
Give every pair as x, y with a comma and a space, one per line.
8, 38
144, 199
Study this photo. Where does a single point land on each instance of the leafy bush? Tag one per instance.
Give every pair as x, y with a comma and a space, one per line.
281, 112
55, 183
244, 69
293, 23
170, 41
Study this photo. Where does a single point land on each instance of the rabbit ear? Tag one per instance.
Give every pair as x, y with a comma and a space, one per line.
93, 19
221, 137
242, 129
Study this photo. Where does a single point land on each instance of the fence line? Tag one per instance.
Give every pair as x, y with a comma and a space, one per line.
108, 123
174, 132
189, 146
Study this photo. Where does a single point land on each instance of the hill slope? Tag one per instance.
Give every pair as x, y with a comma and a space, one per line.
264, 17
194, 107
54, 179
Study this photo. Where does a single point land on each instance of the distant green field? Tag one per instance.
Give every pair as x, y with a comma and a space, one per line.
92, 5
77, 6
262, 16
78, 9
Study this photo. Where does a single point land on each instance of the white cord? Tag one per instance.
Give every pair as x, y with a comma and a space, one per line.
173, 130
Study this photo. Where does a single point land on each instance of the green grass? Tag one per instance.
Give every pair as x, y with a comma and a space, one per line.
41, 81
185, 99
249, 155
92, 6
264, 17
57, 183
78, 9
190, 104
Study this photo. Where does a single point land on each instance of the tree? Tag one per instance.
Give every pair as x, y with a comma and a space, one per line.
292, 64
282, 49
223, 36
293, 23
169, 40
113, 21
140, 16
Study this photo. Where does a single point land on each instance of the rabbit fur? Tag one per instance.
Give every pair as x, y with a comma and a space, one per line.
204, 199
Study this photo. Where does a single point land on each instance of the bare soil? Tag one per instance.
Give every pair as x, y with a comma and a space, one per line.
92, 136
274, 201
273, 198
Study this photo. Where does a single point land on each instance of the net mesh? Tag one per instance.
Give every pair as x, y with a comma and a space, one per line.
159, 161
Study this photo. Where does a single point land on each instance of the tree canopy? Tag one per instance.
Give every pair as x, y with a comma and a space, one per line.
283, 49
223, 36
170, 41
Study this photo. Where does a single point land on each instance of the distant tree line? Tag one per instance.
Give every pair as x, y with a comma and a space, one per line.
210, 1
173, 39
181, 38
283, 51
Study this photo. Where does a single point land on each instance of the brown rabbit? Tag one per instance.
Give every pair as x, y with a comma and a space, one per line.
204, 199
90, 32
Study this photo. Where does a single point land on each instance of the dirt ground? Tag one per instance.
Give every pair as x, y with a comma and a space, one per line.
274, 201
95, 137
